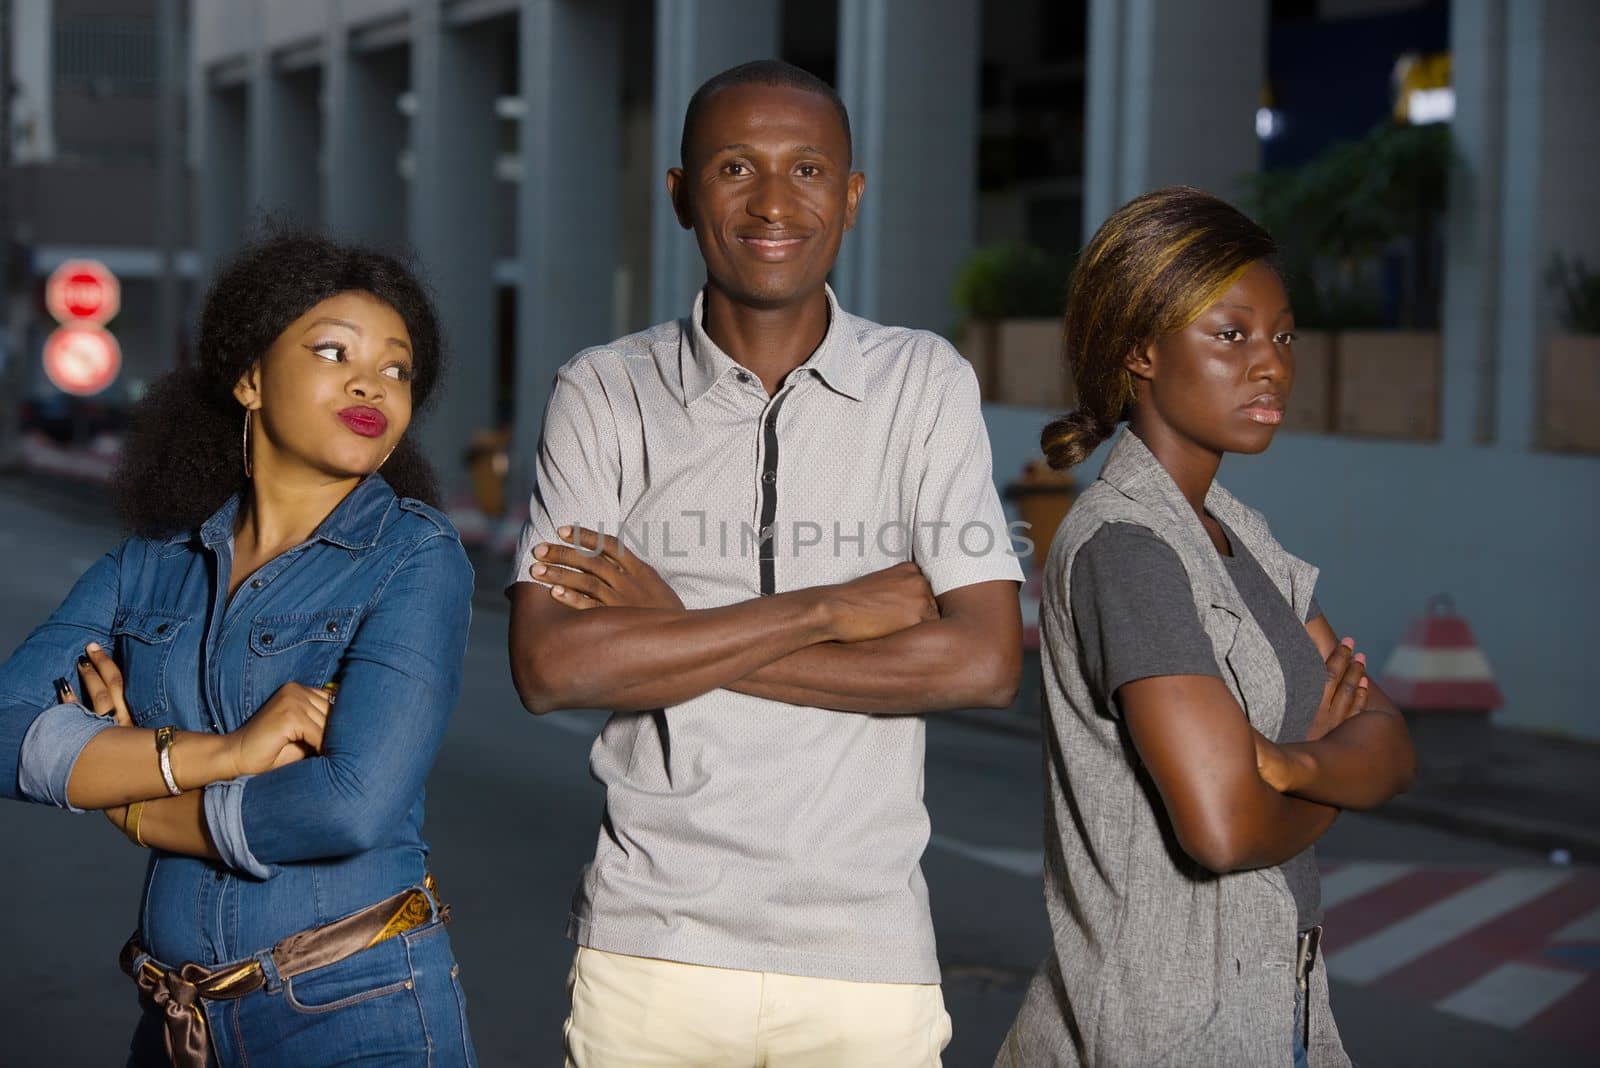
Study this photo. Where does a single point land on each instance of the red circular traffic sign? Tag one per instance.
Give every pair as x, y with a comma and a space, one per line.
83, 291
82, 359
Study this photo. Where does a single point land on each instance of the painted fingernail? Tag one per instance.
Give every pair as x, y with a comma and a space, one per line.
541, 550
83, 659
1362, 682
1348, 643
63, 690
1361, 658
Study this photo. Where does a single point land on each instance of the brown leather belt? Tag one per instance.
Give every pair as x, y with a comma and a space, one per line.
177, 992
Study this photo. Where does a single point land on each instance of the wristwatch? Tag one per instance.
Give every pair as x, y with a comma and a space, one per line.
164, 738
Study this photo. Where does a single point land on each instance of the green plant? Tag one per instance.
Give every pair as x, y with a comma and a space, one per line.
1342, 210
1580, 294
1011, 282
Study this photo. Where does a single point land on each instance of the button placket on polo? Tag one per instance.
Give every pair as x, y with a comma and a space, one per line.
767, 492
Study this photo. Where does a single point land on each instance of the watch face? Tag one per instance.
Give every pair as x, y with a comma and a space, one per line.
164, 736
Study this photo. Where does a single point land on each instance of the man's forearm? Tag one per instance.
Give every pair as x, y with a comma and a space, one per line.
627, 659
932, 667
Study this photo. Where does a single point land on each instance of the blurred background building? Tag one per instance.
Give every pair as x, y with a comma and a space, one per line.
1427, 165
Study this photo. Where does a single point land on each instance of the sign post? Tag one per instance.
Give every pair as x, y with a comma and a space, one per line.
81, 358
83, 291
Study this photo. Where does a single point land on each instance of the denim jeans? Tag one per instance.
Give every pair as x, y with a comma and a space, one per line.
397, 1003
1300, 1058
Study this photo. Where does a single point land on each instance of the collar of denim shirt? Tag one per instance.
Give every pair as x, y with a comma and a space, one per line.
355, 522
837, 361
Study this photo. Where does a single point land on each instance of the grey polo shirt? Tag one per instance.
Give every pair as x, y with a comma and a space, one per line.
741, 832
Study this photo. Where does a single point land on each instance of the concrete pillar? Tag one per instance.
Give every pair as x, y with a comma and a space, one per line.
219, 167
1470, 316
567, 201
363, 134
1549, 203
455, 76
908, 72
284, 140
1172, 88
694, 40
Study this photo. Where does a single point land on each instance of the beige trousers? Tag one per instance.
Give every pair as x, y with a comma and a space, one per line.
638, 1012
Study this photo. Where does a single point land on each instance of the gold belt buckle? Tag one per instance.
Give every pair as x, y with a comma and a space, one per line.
413, 912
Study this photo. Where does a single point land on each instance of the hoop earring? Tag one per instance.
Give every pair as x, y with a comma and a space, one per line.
386, 456
248, 470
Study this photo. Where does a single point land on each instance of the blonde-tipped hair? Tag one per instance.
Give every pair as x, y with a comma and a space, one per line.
1158, 262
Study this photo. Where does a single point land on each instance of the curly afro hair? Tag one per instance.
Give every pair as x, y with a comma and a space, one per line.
182, 457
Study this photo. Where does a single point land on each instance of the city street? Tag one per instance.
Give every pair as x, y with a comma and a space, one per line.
1445, 950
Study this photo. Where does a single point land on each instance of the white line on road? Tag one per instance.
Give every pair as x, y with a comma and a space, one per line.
1025, 862
578, 723
1401, 943
1585, 929
1352, 880
1511, 995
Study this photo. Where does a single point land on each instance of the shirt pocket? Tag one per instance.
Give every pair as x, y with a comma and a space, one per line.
303, 647
142, 643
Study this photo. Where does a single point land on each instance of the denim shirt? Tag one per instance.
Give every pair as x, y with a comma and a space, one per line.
378, 600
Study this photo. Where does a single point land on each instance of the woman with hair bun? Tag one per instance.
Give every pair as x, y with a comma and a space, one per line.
186, 687
1206, 723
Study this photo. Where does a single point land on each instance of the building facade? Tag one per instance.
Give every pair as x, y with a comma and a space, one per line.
518, 146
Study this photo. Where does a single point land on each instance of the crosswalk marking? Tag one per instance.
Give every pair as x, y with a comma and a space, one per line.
1585, 929
1353, 880
1027, 862
1401, 943
1511, 995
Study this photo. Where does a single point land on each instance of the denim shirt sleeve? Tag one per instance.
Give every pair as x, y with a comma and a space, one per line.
398, 684
34, 729
50, 751
225, 818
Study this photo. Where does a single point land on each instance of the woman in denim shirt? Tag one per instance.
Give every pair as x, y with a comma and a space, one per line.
272, 566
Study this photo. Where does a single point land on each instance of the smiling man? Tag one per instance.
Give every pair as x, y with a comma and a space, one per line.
766, 538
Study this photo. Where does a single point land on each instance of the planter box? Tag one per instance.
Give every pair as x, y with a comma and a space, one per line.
1386, 384
1018, 361
1311, 401
1571, 401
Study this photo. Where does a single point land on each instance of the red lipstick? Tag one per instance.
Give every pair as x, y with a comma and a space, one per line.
368, 422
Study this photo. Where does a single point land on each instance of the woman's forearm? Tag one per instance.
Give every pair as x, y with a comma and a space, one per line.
121, 765
1358, 765
173, 824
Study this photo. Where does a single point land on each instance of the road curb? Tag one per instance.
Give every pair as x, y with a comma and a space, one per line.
1581, 843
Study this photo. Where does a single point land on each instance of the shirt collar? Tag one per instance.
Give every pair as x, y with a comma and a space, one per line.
837, 361
354, 523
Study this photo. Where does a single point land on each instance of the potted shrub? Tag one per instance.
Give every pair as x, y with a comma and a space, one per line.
1369, 355
1011, 298
1572, 361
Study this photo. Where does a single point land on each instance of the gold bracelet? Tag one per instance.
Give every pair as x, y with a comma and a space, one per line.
130, 824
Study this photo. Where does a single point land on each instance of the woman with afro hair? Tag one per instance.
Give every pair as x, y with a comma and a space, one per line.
286, 553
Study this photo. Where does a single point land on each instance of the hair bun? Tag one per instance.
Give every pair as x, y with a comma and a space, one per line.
1067, 441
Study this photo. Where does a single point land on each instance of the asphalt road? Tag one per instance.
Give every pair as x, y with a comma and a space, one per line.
1460, 952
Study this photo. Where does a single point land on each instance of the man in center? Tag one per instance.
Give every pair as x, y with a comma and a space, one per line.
812, 556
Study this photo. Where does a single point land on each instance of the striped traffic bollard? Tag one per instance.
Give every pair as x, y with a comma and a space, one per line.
1440, 678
